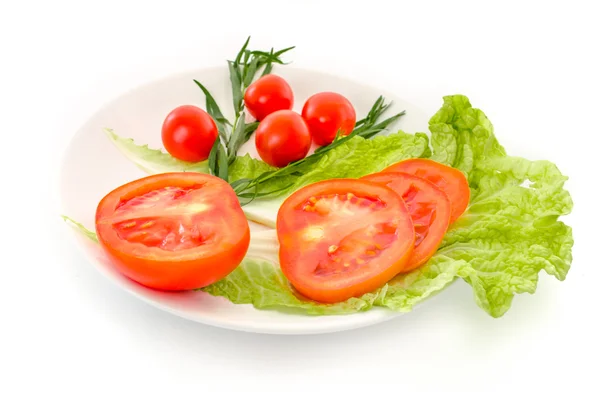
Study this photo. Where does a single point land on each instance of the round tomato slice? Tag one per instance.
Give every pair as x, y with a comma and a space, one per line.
342, 238
173, 231
429, 209
450, 180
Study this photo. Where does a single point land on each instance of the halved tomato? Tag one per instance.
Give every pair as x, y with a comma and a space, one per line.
173, 231
342, 238
429, 209
450, 180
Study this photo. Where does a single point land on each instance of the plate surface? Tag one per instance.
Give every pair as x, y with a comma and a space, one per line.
93, 166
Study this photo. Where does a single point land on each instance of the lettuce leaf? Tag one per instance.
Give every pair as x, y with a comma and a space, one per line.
510, 232
152, 161
462, 136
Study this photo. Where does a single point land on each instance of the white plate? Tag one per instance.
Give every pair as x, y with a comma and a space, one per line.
93, 166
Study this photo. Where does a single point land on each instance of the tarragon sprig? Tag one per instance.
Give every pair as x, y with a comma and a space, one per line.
367, 127
242, 71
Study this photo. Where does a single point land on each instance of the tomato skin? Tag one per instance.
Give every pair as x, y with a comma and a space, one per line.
429, 208
282, 137
268, 94
450, 180
342, 238
175, 270
326, 113
188, 133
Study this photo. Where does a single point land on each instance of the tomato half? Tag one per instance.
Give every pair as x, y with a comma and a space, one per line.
429, 208
450, 180
342, 238
188, 133
282, 137
267, 95
326, 113
173, 231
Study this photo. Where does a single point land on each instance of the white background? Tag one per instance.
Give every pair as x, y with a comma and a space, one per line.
531, 67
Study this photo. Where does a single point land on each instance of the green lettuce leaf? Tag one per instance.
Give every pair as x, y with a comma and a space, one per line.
461, 135
153, 161
80, 228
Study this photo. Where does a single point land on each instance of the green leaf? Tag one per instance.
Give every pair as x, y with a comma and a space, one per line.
236, 86
462, 135
250, 71
213, 167
238, 137
80, 228
223, 163
217, 161
213, 109
152, 161
511, 230
249, 130
242, 51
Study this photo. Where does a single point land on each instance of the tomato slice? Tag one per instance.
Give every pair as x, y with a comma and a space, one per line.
450, 180
173, 231
342, 238
429, 208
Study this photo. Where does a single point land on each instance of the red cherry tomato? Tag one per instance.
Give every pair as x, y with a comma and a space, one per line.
326, 113
188, 133
267, 95
282, 137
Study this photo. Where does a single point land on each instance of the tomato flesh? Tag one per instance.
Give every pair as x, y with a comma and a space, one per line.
450, 180
429, 208
173, 231
167, 233
342, 238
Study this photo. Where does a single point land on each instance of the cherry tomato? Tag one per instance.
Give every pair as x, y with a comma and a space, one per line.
342, 238
326, 113
173, 231
267, 95
188, 133
450, 180
429, 209
282, 137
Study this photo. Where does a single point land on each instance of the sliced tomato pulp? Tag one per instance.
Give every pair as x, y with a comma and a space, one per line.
173, 231
429, 209
450, 180
342, 238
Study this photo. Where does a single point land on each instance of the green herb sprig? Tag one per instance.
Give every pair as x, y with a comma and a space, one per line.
242, 71
366, 128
